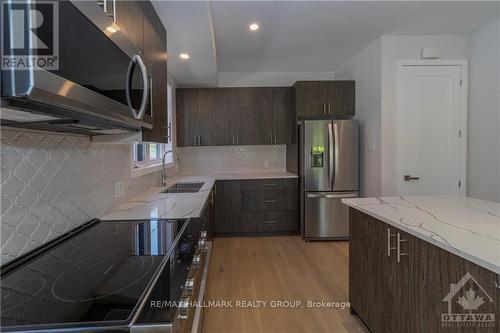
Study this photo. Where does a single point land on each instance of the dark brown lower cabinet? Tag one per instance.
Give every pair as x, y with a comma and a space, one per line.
405, 289
265, 206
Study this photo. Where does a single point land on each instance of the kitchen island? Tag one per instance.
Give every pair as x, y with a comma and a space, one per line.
432, 261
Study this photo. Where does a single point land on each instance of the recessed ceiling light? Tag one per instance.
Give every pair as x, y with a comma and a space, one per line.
111, 29
184, 56
254, 27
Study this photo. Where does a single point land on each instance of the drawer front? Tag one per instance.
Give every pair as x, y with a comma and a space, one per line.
291, 184
289, 221
261, 200
269, 222
262, 184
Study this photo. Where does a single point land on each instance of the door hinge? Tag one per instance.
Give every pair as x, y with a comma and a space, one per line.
459, 183
459, 133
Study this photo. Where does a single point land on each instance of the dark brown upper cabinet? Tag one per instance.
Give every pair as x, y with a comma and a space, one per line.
130, 18
141, 24
233, 116
324, 98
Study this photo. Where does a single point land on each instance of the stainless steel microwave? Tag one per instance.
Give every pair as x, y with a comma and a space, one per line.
101, 85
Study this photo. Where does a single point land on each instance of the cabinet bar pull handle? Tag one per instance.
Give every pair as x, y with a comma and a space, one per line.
270, 221
275, 140
269, 201
399, 241
271, 138
389, 248
270, 184
324, 108
237, 139
329, 108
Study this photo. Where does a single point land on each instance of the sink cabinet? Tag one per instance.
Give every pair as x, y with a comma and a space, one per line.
406, 294
267, 206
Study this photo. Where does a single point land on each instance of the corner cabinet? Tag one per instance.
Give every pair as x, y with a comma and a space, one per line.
143, 27
324, 98
233, 116
398, 282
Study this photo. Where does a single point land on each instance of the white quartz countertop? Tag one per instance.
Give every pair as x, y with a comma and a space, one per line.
155, 205
467, 227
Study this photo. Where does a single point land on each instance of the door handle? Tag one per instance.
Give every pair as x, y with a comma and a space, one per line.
389, 248
398, 245
337, 153
331, 196
408, 178
330, 154
137, 61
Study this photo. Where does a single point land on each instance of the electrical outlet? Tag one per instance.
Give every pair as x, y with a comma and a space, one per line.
119, 189
266, 164
372, 146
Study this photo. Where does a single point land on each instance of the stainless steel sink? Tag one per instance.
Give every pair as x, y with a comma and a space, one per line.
183, 188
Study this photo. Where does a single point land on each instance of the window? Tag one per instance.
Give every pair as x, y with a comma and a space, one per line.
148, 155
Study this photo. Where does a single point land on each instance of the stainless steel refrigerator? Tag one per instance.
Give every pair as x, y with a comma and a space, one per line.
329, 172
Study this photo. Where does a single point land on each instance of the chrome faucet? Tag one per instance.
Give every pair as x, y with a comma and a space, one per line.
163, 172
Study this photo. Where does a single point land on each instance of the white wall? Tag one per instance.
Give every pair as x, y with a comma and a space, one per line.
396, 48
269, 79
484, 114
365, 69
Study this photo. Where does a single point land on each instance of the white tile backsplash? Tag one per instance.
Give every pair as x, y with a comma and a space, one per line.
52, 183
222, 159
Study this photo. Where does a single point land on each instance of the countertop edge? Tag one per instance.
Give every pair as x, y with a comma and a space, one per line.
116, 213
461, 254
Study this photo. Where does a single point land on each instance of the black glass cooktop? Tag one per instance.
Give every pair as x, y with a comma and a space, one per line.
99, 275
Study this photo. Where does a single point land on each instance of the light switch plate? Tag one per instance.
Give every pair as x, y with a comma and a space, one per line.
266, 164
119, 189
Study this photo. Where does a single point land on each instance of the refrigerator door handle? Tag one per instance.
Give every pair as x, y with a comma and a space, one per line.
332, 196
336, 147
330, 155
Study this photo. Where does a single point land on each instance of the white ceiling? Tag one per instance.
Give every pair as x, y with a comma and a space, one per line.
298, 36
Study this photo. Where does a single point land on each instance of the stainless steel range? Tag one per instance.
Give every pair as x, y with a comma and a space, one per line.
125, 276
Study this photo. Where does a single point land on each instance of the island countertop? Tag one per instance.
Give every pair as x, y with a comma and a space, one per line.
153, 204
469, 228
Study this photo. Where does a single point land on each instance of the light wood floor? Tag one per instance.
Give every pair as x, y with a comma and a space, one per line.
278, 268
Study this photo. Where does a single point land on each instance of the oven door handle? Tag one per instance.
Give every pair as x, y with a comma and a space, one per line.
137, 61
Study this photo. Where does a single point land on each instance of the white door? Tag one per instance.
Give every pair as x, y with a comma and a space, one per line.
430, 134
